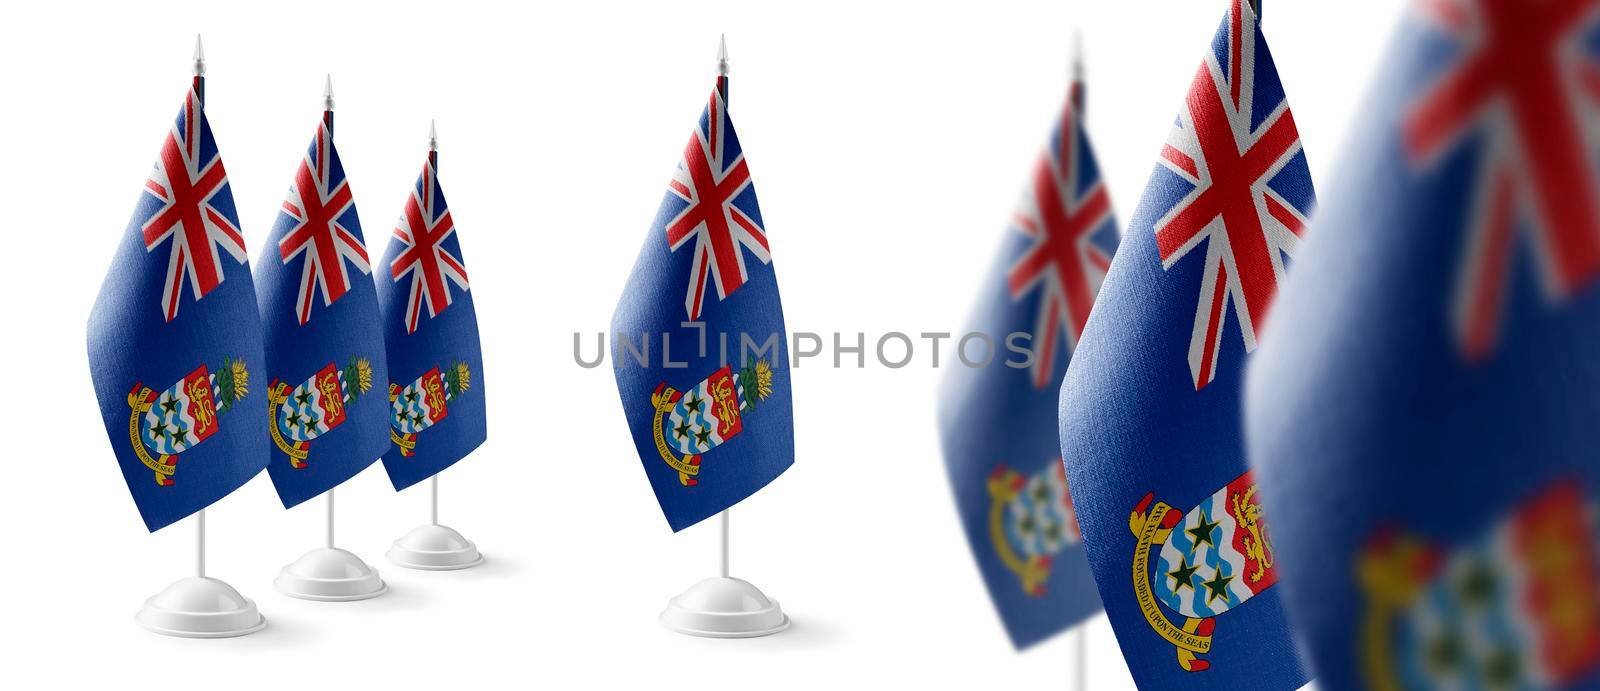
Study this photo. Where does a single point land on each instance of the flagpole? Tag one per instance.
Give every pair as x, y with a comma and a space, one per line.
199, 70
330, 519
327, 104
1075, 90
433, 145
200, 544
722, 78
199, 86
433, 482
1080, 657
724, 570
327, 121
1078, 93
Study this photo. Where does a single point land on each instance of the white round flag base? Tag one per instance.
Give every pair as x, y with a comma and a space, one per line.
330, 575
434, 548
724, 608
197, 607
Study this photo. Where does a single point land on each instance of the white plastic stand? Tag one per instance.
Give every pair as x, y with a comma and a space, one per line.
330, 574
200, 607
724, 607
434, 547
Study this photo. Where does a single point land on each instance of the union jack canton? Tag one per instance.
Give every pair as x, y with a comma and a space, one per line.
321, 213
423, 229
1231, 140
718, 221
195, 219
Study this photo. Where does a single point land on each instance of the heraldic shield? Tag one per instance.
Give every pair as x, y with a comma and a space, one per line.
698, 420
1212, 559
1031, 520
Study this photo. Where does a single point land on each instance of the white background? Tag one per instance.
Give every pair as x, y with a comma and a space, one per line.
888, 143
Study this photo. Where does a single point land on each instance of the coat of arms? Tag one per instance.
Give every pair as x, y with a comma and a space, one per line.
315, 407
1516, 608
423, 403
163, 425
698, 420
1212, 559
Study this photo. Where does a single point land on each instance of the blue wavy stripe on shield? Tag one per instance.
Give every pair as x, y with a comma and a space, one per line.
1217, 566
1181, 541
684, 418
1014, 534
1435, 616
1030, 510
289, 416
1170, 593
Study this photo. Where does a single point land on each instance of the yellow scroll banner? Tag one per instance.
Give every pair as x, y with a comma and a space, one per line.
663, 403
406, 445
275, 398
1172, 633
1033, 570
139, 401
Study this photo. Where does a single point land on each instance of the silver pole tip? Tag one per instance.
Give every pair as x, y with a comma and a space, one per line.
327, 93
1077, 55
199, 57
722, 56
433, 135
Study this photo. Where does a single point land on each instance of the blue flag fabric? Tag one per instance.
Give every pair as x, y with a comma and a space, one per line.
997, 421
324, 342
1150, 409
436, 397
1423, 415
709, 406
174, 338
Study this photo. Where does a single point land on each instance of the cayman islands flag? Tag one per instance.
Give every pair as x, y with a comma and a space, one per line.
1422, 418
324, 340
998, 422
435, 386
174, 337
1150, 409
699, 348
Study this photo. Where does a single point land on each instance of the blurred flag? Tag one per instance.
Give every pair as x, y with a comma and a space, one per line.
1150, 409
998, 422
435, 396
1423, 416
324, 341
708, 405
174, 337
